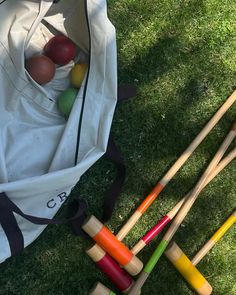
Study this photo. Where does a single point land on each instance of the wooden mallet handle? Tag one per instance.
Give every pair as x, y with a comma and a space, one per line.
150, 235
214, 239
200, 184
174, 169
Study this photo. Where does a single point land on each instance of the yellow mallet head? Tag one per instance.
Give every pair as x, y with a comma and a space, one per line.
188, 270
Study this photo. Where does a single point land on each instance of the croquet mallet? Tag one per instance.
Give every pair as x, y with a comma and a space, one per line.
162, 223
118, 276
182, 213
173, 170
105, 239
164, 181
188, 268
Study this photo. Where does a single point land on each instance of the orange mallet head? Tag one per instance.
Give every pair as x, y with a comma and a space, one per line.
106, 240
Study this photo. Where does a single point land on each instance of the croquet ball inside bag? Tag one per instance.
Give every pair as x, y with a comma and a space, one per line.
66, 100
41, 68
60, 49
78, 73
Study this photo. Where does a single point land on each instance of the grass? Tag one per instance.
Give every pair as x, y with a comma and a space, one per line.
181, 55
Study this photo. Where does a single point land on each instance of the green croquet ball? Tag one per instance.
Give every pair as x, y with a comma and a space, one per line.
66, 100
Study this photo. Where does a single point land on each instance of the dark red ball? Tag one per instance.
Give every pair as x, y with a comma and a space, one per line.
40, 68
60, 49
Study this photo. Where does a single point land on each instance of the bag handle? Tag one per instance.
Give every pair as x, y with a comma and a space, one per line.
126, 91
11, 228
113, 154
78, 207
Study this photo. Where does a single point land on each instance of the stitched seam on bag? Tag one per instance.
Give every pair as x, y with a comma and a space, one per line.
35, 101
28, 83
10, 80
8, 53
26, 95
85, 90
31, 83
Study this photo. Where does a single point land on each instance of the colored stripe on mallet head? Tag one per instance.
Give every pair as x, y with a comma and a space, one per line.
105, 239
174, 169
182, 213
161, 224
100, 289
121, 279
187, 268
150, 235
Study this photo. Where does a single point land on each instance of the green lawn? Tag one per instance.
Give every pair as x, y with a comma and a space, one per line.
181, 55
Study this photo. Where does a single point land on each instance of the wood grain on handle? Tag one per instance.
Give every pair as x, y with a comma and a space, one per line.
150, 235
177, 165
214, 239
200, 184
182, 213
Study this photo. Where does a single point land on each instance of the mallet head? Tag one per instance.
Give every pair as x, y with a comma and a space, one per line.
116, 249
122, 280
188, 270
100, 289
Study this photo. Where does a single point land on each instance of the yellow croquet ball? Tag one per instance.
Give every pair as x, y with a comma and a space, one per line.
78, 73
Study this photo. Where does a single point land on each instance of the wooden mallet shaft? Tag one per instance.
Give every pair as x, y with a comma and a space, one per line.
150, 235
182, 213
174, 169
214, 239
197, 189
163, 182
187, 268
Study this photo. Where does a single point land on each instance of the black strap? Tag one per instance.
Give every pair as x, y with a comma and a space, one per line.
77, 208
125, 92
10, 227
8, 205
111, 196
12, 230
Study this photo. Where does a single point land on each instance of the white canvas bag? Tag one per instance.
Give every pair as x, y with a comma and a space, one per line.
42, 156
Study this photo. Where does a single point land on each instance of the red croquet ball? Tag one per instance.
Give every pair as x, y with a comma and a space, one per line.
60, 49
40, 68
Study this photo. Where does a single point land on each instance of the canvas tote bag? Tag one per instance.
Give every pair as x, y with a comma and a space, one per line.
42, 155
